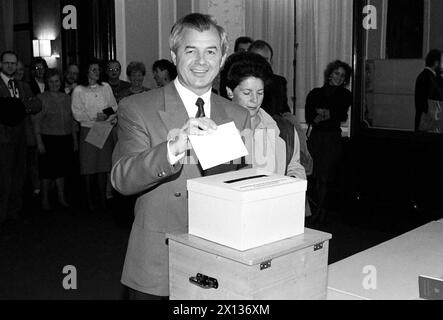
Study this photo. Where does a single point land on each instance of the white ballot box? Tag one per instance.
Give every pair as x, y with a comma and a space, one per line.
246, 208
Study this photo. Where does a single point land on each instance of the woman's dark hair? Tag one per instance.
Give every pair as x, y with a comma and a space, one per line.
51, 73
334, 65
433, 56
164, 64
135, 66
84, 70
242, 65
38, 60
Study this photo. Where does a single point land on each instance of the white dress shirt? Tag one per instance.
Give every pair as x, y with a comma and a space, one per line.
189, 99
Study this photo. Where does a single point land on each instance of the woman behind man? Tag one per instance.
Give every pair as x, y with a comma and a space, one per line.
56, 138
326, 108
164, 72
93, 101
136, 72
245, 75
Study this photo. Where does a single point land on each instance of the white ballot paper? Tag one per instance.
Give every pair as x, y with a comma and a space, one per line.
221, 146
99, 133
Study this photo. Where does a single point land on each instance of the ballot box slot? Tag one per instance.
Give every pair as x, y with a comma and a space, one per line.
245, 179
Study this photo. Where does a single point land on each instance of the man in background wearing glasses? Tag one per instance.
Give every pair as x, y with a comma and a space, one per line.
113, 71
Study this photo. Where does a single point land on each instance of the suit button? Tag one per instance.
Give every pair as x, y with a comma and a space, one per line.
161, 174
177, 194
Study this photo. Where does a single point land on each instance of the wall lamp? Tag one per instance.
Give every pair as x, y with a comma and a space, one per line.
42, 48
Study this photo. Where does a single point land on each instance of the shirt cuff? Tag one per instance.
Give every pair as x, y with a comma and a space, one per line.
171, 158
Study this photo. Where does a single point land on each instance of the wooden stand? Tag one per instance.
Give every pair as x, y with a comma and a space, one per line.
294, 268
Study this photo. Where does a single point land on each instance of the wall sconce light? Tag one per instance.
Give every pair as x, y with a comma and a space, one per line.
41, 48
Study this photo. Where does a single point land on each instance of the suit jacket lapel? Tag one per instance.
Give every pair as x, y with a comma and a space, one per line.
218, 113
174, 116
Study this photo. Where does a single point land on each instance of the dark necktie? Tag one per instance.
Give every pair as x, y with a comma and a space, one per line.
201, 112
12, 88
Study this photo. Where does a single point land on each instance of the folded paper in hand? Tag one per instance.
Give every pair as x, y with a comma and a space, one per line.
99, 133
221, 146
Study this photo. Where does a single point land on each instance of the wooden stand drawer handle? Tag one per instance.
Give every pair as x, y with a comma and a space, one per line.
205, 282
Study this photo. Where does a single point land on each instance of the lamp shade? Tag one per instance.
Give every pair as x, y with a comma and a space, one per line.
41, 48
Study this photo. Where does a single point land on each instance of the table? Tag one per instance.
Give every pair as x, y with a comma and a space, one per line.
393, 267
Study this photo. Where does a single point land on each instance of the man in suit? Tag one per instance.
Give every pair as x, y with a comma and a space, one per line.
276, 97
149, 158
71, 78
427, 84
14, 106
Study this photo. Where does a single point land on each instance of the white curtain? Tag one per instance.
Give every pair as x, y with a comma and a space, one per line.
6, 25
324, 34
273, 21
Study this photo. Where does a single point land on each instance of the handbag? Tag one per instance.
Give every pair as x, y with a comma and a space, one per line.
432, 121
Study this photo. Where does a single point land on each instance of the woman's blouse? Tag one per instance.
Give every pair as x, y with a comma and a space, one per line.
268, 150
88, 101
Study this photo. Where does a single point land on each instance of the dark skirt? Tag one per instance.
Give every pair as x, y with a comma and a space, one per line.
326, 151
55, 163
92, 159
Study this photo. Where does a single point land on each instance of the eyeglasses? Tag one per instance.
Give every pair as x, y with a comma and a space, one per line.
39, 68
113, 69
10, 63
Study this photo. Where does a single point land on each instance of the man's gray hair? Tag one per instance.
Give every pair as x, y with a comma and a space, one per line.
200, 22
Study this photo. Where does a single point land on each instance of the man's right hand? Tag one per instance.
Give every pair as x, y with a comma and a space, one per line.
194, 126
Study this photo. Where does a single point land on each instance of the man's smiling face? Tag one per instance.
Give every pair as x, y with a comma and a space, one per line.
198, 59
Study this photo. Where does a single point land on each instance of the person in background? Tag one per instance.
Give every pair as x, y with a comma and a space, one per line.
93, 101
135, 72
245, 75
38, 71
427, 85
56, 138
242, 44
31, 142
276, 96
276, 104
14, 107
20, 73
71, 78
164, 72
148, 162
113, 72
326, 108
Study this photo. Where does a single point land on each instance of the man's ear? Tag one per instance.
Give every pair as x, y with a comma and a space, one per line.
174, 57
230, 93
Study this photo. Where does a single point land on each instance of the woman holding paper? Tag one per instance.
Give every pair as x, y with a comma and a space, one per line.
56, 137
245, 75
93, 102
